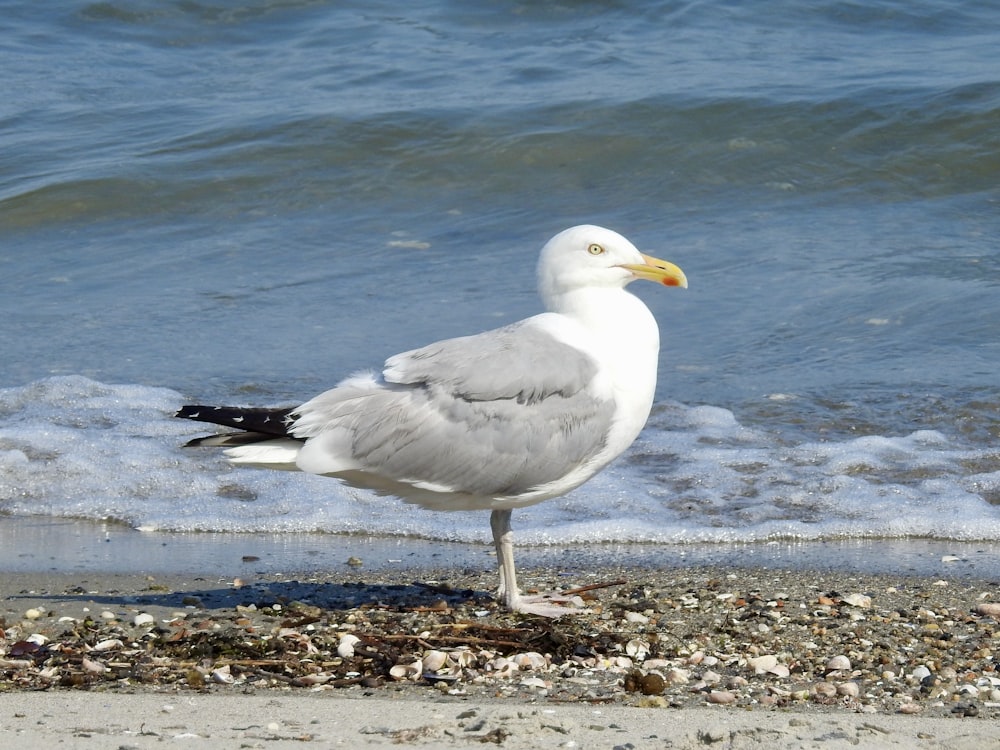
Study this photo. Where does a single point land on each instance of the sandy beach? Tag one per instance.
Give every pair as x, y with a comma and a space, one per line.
89, 720
369, 655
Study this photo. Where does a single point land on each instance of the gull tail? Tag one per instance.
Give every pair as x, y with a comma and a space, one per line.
255, 424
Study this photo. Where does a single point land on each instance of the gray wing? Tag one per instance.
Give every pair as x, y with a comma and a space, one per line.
491, 415
519, 361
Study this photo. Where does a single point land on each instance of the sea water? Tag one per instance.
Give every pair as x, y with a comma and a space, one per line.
245, 202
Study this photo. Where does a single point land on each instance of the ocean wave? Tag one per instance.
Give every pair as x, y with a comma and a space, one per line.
74, 447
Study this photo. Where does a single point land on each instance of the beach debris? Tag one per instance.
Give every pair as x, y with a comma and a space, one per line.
725, 640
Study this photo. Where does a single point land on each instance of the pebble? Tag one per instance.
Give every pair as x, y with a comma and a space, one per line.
34, 613
920, 673
652, 684
722, 697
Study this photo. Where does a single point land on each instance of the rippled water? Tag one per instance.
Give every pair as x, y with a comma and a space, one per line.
248, 201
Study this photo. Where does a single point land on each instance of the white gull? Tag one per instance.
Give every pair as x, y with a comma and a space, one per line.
495, 421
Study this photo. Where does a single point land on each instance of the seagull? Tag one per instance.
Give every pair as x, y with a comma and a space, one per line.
494, 421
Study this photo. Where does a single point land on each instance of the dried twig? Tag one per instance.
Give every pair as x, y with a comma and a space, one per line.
593, 586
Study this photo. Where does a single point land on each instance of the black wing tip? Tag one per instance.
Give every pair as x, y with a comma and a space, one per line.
266, 420
193, 411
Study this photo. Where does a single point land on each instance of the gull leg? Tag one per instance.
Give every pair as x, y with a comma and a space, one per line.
508, 593
503, 540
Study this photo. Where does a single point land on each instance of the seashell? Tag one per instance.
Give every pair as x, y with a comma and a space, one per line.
988, 609
38, 639
637, 649
223, 676
502, 666
824, 690
345, 649
411, 671
696, 657
434, 660
676, 676
143, 619
858, 600
529, 660
763, 664
636, 617
619, 662
464, 658
94, 667
711, 678
536, 682
108, 644
849, 689
838, 663
34, 613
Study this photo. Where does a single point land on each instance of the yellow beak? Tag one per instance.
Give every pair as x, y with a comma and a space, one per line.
660, 271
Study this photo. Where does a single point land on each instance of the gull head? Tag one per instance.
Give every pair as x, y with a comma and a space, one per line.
589, 256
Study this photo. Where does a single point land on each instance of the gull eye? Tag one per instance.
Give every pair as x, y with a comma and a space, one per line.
595, 249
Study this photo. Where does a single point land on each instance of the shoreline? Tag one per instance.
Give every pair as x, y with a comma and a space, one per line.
38, 544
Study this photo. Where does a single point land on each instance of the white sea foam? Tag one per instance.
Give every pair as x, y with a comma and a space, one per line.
73, 447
